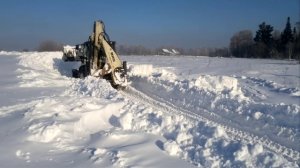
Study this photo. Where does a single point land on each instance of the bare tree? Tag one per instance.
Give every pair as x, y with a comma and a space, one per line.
134, 50
49, 45
241, 44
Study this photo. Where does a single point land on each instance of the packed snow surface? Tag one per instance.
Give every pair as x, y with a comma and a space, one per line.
177, 112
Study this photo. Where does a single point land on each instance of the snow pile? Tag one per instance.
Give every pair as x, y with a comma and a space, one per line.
172, 148
140, 70
92, 86
219, 84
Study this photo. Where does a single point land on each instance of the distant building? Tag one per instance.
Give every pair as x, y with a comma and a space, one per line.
165, 51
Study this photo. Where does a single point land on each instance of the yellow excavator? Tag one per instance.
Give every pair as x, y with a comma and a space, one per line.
98, 58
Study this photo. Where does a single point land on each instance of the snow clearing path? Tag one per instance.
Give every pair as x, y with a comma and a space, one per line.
177, 112
235, 131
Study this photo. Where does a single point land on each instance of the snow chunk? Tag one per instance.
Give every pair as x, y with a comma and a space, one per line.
23, 155
126, 121
257, 115
297, 93
220, 132
257, 149
172, 148
242, 154
184, 137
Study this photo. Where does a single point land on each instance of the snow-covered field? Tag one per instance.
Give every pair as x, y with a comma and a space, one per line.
177, 112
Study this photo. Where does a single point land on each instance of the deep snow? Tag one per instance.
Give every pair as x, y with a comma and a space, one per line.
177, 112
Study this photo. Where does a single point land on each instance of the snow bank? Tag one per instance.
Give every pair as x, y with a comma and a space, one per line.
44, 69
10, 53
208, 83
37, 65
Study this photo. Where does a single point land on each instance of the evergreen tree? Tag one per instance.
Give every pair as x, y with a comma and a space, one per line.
296, 48
264, 41
287, 38
287, 35
264, 34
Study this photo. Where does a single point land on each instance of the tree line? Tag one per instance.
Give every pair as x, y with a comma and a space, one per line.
141, 50
50, 45
267, 43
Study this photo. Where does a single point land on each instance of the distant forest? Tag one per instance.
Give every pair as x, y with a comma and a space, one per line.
267, 43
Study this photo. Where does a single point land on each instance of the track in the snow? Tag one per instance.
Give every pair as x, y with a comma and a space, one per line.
235, 132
